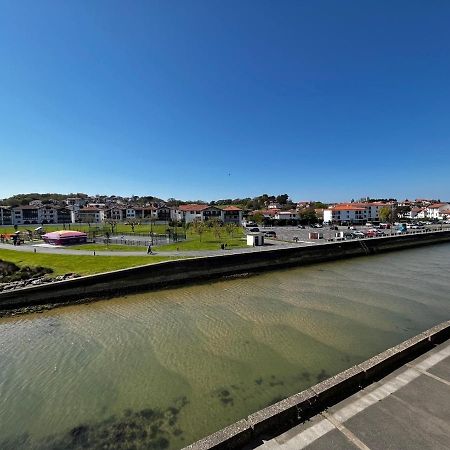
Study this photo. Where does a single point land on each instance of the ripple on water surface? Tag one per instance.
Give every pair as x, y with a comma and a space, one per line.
161, 369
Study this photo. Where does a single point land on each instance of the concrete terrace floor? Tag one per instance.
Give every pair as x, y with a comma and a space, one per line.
408, 409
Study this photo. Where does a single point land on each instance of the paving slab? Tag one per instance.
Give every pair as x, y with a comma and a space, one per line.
441, 370
393, 424
334, 440
407, 409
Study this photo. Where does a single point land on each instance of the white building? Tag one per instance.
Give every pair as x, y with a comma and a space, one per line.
5, 215
255, 239
232, 214
435, 211
356, 213
76, 202
88, 215
286, 215
193, 212
345, 213
414, 213
25, 215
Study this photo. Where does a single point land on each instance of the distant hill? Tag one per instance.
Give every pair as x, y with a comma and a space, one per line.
25, 199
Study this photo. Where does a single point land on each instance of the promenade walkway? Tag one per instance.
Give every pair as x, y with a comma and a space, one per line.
408, 409
192, 253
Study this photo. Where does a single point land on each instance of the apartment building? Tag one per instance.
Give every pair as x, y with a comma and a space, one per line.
5, 215
355, 213
193, 212
89, 214
232, 214
436, 210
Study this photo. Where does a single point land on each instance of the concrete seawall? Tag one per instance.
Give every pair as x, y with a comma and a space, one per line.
273, 420
171, 273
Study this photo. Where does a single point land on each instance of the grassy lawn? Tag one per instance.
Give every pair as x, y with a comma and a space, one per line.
207, 242
109, 248
83, 265
121, 228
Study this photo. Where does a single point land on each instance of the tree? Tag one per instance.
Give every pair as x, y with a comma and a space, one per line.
258, 218
216, 227
199, 227
387, 214
112, 223
230, 228
133, 223
282, 199
402, 211
307, 216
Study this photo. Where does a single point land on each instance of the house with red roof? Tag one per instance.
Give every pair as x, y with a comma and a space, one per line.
435, 211
89, 214
192, 212
232, 214
355, 213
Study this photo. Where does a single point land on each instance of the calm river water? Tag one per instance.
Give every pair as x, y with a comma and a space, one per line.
162, 369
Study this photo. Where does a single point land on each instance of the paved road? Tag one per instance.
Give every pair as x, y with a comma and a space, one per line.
408, 409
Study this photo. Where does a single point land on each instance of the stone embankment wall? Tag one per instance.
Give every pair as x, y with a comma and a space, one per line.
285, 414
171, 273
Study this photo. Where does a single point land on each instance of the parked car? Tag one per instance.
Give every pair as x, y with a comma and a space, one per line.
358, 234
254, 230
270, 234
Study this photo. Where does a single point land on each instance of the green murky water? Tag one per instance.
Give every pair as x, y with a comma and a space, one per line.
162, 369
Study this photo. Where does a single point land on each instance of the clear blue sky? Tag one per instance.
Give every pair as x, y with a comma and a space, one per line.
214, 99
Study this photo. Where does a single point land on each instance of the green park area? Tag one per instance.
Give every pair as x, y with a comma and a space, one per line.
119, 228
82, 265
199, 236
109, 248
208, 241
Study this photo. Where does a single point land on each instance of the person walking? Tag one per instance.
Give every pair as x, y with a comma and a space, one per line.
149, 250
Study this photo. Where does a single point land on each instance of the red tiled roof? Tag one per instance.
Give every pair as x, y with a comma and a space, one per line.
437, 205
27, 207
89, 209
193, 207
347, 208
232, 208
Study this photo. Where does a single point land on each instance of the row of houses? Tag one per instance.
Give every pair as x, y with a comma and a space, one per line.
355, 212
36, 214
439, 211
29, 214
360, 213
278, 214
